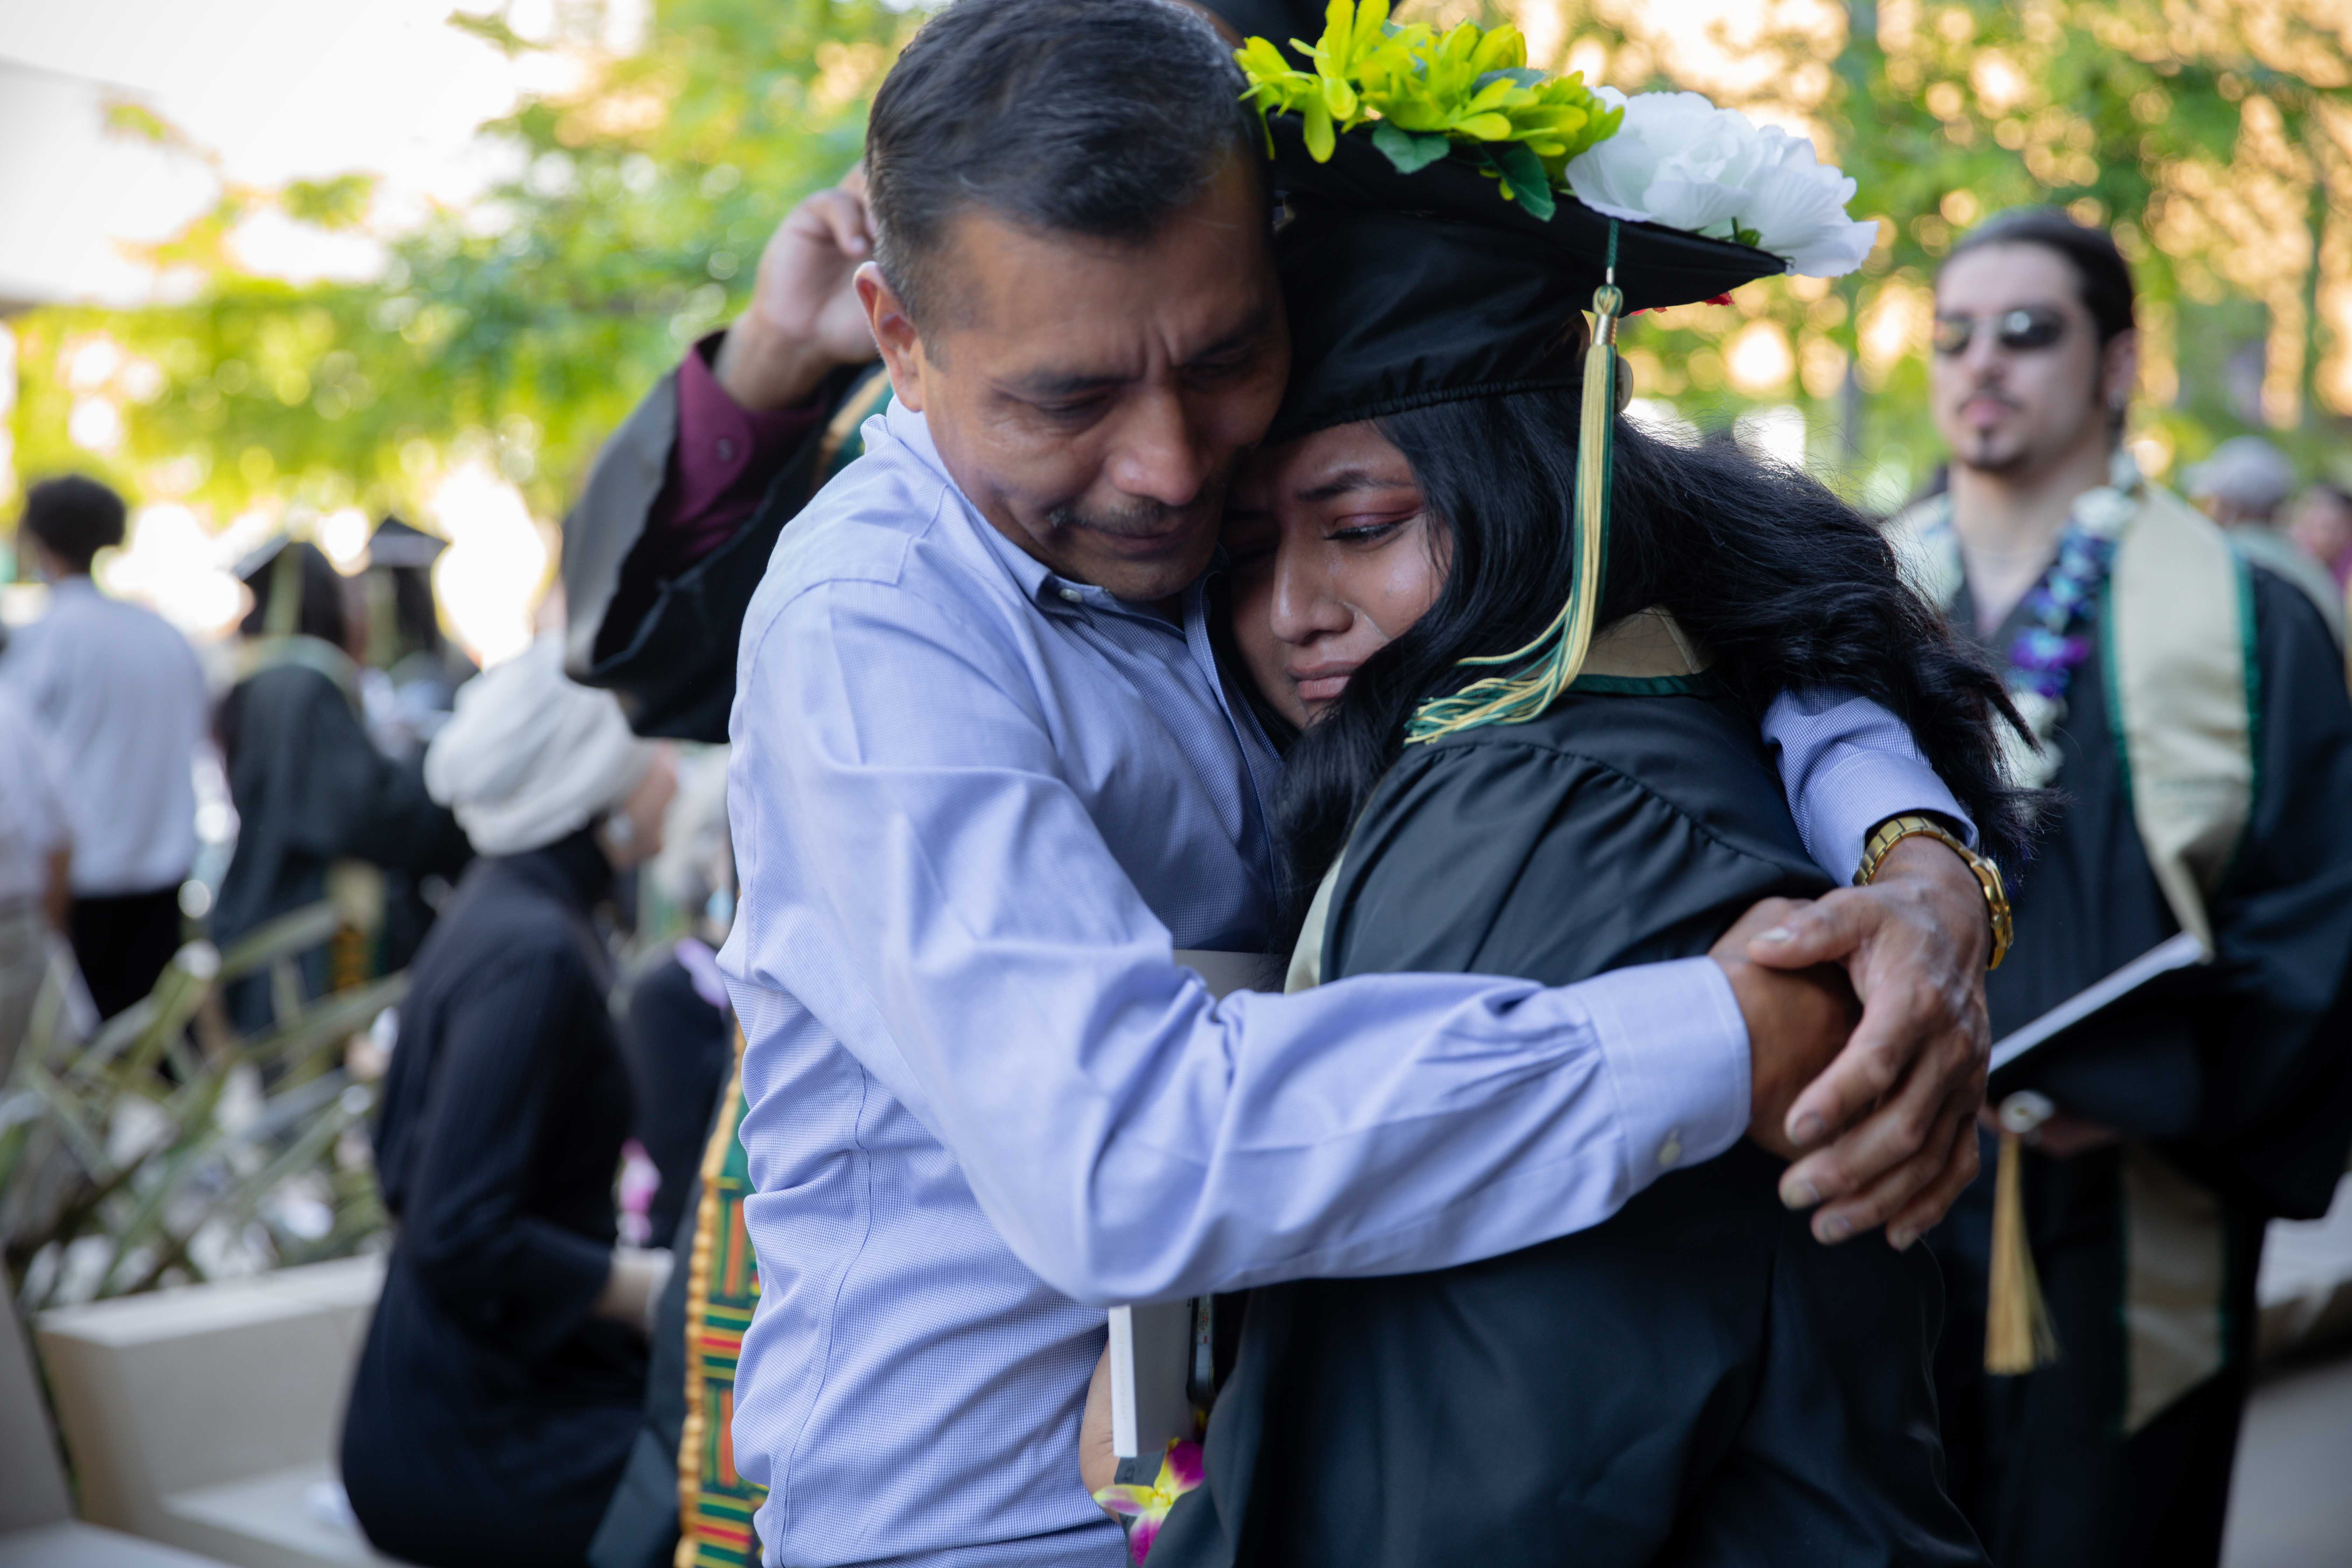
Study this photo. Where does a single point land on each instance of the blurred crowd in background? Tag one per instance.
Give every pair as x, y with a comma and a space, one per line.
282, 642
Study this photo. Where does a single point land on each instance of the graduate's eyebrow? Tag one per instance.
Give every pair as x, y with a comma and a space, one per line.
1351, 481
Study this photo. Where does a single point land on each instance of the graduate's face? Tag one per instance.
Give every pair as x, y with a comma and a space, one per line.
2031, 387
1333, 555
1092, 398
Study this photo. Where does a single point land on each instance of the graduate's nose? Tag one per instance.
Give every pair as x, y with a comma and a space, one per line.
1303, 606
1158, 453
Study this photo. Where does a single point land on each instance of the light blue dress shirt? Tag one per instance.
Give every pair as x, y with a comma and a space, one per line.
975, 807
122, 698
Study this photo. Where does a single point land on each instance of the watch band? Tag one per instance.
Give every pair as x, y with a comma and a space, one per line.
1895, 829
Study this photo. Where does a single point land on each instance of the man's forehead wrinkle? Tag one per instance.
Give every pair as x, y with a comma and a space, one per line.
1051, 380
1059, 384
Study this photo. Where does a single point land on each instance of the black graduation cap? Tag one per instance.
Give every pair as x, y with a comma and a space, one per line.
1281, 20
396, 543
1407, 290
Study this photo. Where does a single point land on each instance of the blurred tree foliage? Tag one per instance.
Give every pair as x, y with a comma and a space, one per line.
519, 331
2216, 134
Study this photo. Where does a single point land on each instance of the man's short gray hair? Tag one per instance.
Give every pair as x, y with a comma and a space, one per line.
1099, 118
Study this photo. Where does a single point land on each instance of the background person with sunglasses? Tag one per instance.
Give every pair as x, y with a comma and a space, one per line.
2194, 726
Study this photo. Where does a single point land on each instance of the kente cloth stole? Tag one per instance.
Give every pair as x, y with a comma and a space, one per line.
2176, 629
715, 1505
1647, 653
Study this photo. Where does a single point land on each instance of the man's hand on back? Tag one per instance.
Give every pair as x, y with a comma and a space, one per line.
804, 319
1899, 1103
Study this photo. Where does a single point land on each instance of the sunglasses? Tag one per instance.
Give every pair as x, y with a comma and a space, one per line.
2022, 330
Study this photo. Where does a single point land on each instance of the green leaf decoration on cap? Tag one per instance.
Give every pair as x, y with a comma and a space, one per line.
1424, 93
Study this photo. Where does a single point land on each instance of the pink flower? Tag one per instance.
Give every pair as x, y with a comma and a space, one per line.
1179, 1472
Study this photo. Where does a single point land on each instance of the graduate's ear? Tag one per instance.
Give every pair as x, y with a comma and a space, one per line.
894, 333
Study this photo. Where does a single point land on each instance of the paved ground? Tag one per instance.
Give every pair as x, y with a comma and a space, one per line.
2292, 1505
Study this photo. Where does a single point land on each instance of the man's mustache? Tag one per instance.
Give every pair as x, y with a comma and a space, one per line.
1144, 519
1147, 518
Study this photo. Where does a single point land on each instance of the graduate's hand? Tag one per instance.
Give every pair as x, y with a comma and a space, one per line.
1900, 1101
1797, 1022
804, 320
1098, 1459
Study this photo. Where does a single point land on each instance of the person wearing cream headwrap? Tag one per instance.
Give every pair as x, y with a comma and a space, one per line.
528, 757
500, 1386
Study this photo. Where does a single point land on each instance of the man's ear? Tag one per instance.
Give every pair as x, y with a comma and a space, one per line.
2119, 371
894, 334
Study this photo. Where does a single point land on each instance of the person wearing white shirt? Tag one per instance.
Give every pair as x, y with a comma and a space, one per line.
123, 701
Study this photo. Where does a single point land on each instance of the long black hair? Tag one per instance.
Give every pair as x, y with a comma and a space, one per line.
1788, 586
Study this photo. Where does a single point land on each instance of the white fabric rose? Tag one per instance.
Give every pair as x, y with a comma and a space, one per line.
1679, 161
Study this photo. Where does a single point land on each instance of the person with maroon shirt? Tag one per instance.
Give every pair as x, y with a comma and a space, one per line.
676, 522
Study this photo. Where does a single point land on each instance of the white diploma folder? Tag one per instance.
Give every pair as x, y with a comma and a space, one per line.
1151, 1347
2179, 952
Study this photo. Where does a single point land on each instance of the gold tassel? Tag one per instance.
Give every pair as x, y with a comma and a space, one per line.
1556, 657
2018, 1333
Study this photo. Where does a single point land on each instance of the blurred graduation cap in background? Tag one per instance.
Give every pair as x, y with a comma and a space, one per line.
396, 544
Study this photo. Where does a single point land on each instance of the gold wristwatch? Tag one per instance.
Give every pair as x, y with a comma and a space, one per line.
1895, 829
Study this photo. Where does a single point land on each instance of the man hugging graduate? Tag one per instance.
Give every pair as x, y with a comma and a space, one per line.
991, 772
2192, 717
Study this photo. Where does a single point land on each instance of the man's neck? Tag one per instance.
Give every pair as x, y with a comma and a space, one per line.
2009, 523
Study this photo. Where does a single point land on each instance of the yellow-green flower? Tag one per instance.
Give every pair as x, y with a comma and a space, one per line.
1424, 94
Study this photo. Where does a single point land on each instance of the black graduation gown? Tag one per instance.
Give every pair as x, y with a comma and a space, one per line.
491, 1413
2236, 1076
1696, 1381
310, 788
680, 1049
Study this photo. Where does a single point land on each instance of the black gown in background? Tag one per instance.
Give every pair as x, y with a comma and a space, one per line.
2238, 1076
310, 788
1695, 1381
491, 1413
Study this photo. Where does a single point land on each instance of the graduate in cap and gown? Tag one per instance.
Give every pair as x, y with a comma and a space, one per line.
2192, 717
1528, 646
320, 809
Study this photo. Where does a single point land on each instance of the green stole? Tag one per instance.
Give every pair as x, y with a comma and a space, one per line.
2177, 642
1645, 654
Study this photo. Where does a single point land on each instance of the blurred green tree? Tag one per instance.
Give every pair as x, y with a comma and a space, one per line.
519, 331
2215, 134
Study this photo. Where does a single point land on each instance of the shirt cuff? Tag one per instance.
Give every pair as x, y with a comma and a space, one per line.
1677, 1051
718, 439
1848, 765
